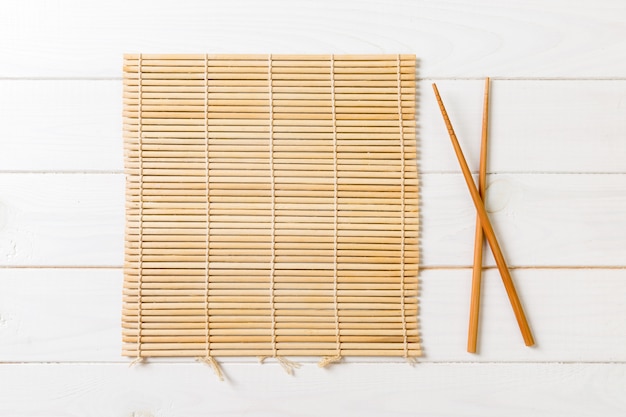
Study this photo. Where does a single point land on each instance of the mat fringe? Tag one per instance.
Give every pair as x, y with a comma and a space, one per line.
210, 361
328, 360
286, 364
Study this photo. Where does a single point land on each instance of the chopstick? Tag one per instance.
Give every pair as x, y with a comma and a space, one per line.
472, 335
488, 229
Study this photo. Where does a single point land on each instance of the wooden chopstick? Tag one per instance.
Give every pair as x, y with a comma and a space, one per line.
488, 229
472, 335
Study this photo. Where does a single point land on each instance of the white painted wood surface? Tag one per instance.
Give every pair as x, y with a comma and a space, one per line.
557, 196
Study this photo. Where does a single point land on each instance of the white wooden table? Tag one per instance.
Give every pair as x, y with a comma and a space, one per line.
557, 197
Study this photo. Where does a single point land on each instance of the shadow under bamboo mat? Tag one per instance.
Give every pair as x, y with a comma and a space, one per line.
271, 206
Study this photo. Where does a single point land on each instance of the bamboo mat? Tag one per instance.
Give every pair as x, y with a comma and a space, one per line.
271, 206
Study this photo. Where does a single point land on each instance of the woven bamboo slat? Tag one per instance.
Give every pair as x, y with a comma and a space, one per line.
271, 206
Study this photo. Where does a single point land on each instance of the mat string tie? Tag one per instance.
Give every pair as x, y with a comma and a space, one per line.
137, 361
337, 357
328, 360
273, 213
210, 361
287, 365
139, 358
402, 214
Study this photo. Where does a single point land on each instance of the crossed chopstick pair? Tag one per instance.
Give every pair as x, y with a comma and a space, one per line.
483, 226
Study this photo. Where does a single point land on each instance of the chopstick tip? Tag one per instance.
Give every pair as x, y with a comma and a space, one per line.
436, 90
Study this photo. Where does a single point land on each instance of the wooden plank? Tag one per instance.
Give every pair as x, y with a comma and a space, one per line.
488, 37
464, 390
61, 219
541, 219
67, 314
60, 125
533, 122
83, 306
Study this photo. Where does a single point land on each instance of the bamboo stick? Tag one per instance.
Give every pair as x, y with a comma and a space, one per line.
264, 329
349, 275
197, 295
130, 88
263, 102
255, 302
256, 123
488, 230
312, 311
181, 323
169, 318
252, 317
264, 263
183, 138
283, 237
283, 346
346, 277
326, 250
260, 67
190, 287
259, 327
166, 314
269, 352
231, 67
178, 175
313, 338
275, 57
376, 165
259, 249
